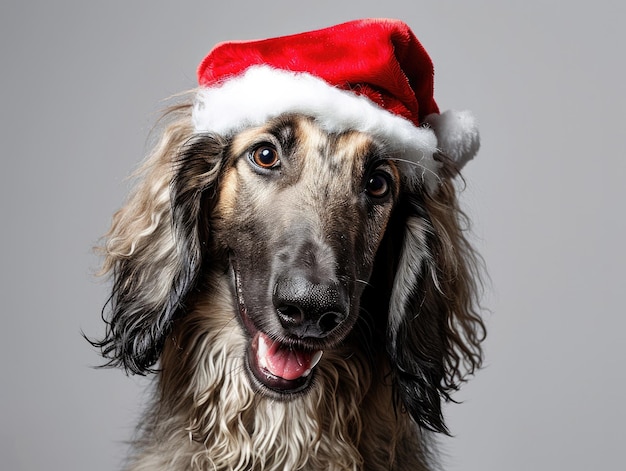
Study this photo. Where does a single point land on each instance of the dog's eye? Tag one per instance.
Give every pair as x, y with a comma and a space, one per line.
265, 156
378, 185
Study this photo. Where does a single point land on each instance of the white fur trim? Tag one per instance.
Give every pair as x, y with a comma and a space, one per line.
263, 92
457, 134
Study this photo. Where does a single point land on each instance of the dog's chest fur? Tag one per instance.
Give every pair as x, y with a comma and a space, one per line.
214, 420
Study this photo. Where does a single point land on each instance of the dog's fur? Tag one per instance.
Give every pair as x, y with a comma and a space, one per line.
198, 254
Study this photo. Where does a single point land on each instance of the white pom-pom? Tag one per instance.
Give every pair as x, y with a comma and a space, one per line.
457, 134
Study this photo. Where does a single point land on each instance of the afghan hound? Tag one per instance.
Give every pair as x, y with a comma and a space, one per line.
303, 298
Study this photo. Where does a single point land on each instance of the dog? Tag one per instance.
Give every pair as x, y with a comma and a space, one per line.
305, 298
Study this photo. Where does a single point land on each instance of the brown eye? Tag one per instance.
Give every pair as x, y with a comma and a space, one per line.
378, 185
265, 156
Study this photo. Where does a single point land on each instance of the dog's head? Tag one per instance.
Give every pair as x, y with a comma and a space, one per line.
317, 231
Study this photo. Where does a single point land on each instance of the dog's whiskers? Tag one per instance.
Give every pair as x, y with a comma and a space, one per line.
423, 170
363, 282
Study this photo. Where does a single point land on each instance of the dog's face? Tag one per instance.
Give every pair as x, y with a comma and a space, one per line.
301, 213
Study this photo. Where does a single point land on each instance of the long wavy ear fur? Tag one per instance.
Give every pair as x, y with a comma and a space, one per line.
434, 326
154, 249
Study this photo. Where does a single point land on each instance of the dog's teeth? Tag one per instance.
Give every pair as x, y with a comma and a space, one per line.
316, 359
262, 349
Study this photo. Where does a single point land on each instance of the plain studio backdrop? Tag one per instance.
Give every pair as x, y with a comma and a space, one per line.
82, 84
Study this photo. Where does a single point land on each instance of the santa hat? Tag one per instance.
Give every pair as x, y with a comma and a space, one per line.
367, 75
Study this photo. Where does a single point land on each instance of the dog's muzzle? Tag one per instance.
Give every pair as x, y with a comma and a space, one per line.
282, 359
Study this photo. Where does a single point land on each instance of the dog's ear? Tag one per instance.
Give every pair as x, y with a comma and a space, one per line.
434, 328
155, 246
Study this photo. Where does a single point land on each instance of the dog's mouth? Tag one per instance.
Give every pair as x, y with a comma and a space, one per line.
281, 366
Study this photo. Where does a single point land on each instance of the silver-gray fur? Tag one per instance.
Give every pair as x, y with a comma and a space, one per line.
197, 255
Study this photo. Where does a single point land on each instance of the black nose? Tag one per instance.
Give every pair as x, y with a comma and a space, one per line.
307, 309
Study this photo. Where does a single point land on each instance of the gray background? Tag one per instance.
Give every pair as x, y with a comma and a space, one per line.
82, 83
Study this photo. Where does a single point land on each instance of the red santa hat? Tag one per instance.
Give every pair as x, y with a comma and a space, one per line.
368, 75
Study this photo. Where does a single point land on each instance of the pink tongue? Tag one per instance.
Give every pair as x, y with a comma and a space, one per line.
282, 361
